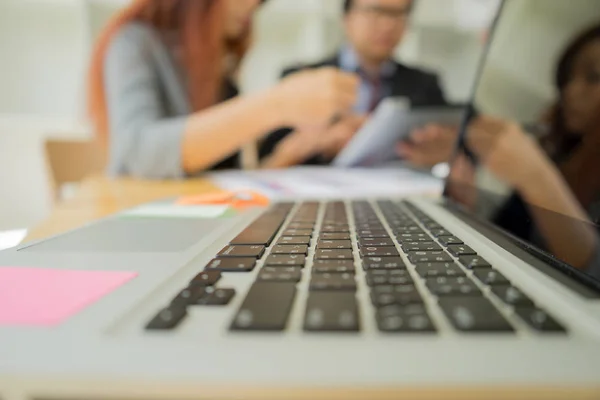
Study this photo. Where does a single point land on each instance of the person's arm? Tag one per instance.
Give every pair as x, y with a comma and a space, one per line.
282, 148
221, 130
292, 150
145, 143
559, 217
516, 159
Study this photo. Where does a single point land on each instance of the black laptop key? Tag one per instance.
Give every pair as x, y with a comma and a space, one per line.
379, 252
512, 296
422, 246
331, 226
438, 233
403, 222
206, 278
304, 219
298, 232
331, 312
292, 260
300, 225
403, 295
370, 263
376, 242
370, 226
217, 297
256, 236
232, 264
327, 254
474, 262
474, 314
407, 229
380, 233
447, 286
408, 319
335, 244
331, 282
333, 266
256, 251
433, 270
189, 296
335, 220
449, 240
294, 240
432, 225
281, 269
417, 257
489, 276
280, 274
539, 320
335, 236
389, 277
413, 237
335, 230
458, 250
266, 307
290, 249
167, 318
263, 230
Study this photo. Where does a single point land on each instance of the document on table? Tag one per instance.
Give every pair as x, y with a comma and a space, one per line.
330, 183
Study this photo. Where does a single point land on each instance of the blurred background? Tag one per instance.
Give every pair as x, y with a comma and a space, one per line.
46, 44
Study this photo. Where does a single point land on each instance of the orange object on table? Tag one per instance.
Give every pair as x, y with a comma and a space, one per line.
237, 200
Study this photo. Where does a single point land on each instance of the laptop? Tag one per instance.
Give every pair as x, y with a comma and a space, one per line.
372, 298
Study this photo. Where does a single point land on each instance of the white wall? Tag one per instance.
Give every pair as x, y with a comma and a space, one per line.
45, 45
520, 80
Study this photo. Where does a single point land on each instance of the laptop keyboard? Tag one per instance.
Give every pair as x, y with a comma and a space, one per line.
442, 273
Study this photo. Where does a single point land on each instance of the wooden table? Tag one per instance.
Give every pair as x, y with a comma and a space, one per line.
99, 197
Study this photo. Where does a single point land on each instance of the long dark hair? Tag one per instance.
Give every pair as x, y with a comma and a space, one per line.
199, 25
560, 141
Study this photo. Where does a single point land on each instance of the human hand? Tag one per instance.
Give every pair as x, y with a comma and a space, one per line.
304, 143
335, 138
429, 146
507, 151
313, 98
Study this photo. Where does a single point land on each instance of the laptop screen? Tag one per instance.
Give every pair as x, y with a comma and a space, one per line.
529, 157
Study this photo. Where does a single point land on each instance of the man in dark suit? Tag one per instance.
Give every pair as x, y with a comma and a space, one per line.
374, 29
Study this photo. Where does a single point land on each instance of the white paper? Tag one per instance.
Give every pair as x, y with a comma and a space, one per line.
176, 211
11, 239
330, 183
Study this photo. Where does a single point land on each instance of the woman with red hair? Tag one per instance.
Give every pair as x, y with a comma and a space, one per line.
162, 92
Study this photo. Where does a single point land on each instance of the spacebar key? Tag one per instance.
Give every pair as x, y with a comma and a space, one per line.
266, 307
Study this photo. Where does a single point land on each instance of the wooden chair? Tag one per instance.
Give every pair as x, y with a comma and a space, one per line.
71, 161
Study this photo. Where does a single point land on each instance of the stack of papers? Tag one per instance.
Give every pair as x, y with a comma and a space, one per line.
330, 183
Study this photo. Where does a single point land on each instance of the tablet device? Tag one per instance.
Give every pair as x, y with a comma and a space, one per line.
393, 121
370, 145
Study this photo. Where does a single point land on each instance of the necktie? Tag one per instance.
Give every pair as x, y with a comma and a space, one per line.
376, 93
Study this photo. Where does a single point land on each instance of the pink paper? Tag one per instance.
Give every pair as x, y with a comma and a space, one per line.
48, 297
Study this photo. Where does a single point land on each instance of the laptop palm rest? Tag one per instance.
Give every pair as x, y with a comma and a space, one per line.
141, 235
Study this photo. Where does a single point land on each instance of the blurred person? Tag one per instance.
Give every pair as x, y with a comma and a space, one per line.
162, 89
373, 30
556, 179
